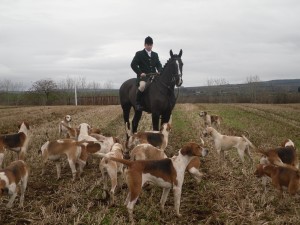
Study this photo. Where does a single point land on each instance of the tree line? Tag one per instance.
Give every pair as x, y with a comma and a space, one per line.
49, 92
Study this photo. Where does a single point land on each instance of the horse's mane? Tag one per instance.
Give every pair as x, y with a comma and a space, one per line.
174, 56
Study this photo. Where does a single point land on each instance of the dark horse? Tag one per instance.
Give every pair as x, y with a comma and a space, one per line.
158, 97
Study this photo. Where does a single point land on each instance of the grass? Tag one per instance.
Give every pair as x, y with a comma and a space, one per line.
228, 194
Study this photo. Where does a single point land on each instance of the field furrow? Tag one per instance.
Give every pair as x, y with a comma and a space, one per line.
229, 193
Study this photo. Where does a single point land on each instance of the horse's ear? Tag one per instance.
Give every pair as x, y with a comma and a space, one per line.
171, 53
180, 53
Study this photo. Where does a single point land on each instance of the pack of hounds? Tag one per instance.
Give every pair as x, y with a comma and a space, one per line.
142, 159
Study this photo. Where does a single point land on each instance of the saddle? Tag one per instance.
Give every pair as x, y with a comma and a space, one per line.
151, 77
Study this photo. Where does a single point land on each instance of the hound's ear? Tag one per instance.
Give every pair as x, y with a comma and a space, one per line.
4, 190
180, 53
116, 140
171, 53
187, 149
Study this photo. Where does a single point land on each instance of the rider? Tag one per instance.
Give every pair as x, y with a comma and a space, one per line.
144, 62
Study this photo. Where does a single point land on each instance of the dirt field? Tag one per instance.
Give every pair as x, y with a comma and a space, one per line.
228, 194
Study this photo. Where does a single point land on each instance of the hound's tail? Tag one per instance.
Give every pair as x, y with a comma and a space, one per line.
123, 161
249, 142
262, 151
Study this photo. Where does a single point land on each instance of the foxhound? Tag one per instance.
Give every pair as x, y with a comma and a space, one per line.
17, 142
224, 142
63, 131
112, 168
84, 133
55, 150
158, 139
281, 177
280, 156
210, 120
167, 173
12, 176
147, 152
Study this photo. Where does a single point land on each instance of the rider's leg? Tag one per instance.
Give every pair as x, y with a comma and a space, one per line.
139, 95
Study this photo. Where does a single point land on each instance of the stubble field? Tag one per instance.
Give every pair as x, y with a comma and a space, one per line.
228, 194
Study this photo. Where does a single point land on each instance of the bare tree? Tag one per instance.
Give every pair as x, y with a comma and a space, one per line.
81, 83
9, 88
44, 86
217, 82
67, 84
253, 82
94, 85
108, 85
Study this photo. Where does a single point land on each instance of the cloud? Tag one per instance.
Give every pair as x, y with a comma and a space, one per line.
97, 39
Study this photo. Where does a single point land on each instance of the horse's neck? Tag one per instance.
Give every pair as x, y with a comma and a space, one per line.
166, 78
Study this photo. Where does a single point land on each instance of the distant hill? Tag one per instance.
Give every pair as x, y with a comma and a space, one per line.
273, 86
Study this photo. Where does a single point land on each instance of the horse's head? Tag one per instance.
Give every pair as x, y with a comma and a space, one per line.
176, 69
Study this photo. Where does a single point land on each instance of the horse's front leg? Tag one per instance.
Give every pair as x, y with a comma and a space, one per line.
165, 118
136, 120
155, 121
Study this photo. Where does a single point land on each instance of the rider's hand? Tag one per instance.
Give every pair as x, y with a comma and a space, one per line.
143, 74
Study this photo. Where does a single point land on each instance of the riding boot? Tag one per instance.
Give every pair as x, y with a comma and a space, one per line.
139, 106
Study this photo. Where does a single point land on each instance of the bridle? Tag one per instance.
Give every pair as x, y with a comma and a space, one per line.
176, 75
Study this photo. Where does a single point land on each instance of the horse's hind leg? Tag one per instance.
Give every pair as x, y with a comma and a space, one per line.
135, 120
126, 112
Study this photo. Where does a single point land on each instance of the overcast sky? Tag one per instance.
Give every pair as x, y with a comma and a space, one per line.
97, 39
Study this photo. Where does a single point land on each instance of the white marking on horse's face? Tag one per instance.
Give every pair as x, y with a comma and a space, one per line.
179, 74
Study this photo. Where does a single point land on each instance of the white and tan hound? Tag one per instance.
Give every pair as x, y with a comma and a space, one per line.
12, 176
281, 177
56, 150
112, 169
147, 152
224, 142
84, 129
210, 120
17, 142
158, 139
166, 173
63, 131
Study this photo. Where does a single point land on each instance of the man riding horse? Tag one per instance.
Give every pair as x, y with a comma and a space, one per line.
144, 62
